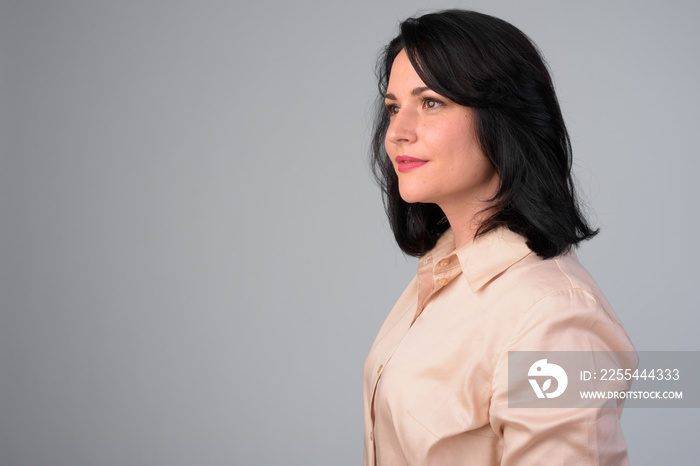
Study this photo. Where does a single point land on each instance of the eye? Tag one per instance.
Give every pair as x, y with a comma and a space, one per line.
430, 103
392, 109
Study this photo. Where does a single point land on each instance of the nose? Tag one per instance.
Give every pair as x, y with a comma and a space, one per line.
402, 128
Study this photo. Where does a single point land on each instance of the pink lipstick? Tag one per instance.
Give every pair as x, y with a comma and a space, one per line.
406, 163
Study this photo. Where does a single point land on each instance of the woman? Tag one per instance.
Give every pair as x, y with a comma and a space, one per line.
474, 160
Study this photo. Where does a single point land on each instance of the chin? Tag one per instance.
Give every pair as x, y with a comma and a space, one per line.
412, 197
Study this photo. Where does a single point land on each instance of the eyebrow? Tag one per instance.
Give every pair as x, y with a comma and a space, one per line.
415, 92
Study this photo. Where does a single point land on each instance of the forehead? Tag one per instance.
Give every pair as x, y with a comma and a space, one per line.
403, 76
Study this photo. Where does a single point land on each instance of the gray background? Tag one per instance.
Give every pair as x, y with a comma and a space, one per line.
194, 259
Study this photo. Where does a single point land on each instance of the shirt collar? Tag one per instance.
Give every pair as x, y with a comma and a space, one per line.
484, 257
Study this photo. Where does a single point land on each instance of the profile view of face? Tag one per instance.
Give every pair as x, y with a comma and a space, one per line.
432, 144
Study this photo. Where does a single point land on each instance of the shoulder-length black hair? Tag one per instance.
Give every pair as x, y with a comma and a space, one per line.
489, 65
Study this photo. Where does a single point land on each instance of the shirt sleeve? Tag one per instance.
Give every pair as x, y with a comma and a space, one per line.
568, 320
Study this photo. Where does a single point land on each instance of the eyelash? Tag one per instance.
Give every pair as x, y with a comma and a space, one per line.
392, 108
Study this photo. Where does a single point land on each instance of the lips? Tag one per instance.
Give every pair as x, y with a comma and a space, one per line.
406, 163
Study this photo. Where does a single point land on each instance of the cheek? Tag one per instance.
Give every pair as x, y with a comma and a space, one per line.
463, 153
451, 136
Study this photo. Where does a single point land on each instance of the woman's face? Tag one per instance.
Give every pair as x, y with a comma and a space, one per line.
432, 143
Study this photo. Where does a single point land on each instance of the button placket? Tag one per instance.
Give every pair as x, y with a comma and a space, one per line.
441, 270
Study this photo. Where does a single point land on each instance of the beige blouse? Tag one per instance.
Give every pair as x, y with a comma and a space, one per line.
435, 380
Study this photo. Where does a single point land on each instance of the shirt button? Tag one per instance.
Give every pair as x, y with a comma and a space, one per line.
442, 281
444, 262
381, 366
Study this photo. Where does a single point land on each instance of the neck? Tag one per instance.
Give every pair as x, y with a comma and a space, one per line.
467, 210
465, 221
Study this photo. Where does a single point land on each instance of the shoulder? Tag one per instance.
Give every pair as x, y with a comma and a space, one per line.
558, 303
533, 279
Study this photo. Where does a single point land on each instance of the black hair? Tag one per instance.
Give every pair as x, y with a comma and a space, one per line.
485, 63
